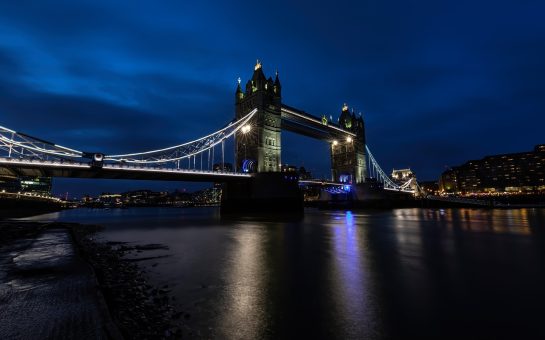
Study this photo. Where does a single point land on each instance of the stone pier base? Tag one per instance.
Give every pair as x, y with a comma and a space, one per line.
270, 192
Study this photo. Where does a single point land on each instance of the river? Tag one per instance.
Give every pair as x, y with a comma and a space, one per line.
442, 273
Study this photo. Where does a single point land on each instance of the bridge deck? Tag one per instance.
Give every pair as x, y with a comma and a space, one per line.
16, 167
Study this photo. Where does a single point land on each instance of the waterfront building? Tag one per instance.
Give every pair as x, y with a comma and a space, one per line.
429, 187
34, 185
144, 197
522, 172
401, 176
9, 184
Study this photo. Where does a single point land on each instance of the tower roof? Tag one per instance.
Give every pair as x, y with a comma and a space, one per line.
258, 75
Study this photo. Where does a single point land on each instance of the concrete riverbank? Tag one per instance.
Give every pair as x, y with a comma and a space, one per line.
56, 281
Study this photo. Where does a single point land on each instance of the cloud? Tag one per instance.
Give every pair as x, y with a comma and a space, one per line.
438, 82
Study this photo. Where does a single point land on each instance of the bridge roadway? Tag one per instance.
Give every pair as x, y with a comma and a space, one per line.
25, 167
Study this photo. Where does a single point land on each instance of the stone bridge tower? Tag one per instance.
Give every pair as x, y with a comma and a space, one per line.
258, 148
348, 161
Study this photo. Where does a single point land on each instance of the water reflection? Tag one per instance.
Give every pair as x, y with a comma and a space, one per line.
508, 221
244, 294
458, 273
351, 288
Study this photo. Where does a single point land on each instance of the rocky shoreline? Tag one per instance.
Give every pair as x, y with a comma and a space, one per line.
138, 309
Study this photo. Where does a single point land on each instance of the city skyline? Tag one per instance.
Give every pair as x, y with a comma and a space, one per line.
438, 84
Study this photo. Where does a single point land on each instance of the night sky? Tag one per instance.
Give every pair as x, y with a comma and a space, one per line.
438, 82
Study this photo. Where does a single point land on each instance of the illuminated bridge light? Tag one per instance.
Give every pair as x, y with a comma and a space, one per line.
245, 129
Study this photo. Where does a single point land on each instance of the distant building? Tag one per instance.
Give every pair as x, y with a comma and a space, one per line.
35, 185
288, 168
522, 172
304, 174
144, 197
402, 175
209, 196
227, 167
429, 187
301, 171
9, 184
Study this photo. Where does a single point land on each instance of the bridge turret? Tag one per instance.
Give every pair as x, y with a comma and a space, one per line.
348, 162
360, 126
258, 150
258, 80
345, 119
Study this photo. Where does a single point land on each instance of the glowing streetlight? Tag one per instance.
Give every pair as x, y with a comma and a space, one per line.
349, 139
245, 129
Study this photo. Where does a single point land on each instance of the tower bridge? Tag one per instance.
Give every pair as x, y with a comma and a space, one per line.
256, 134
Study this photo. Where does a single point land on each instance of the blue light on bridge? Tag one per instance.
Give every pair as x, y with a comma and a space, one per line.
248, 165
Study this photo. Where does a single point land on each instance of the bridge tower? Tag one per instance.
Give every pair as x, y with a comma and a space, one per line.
258, 148
348, 161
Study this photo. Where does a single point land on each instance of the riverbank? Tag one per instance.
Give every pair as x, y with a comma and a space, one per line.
48, 270
15, 205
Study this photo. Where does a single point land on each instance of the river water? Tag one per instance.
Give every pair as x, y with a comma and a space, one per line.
404, 273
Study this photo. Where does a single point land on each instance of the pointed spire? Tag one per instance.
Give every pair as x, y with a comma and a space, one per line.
259, 77
239, 94
277, 80
277, 85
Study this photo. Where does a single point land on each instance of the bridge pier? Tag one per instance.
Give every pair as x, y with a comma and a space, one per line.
267, 192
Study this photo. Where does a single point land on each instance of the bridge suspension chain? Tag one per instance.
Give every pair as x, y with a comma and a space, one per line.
186, 150
16, 144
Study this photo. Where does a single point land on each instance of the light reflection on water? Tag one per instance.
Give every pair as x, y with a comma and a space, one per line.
373, 274
243, 295
350, 278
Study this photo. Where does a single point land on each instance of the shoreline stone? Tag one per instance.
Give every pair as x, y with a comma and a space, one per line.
136, 308
140, 310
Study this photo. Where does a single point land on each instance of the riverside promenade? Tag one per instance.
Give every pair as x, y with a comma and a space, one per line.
46, 289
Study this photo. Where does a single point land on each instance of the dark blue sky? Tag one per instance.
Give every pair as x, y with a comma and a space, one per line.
438, 82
